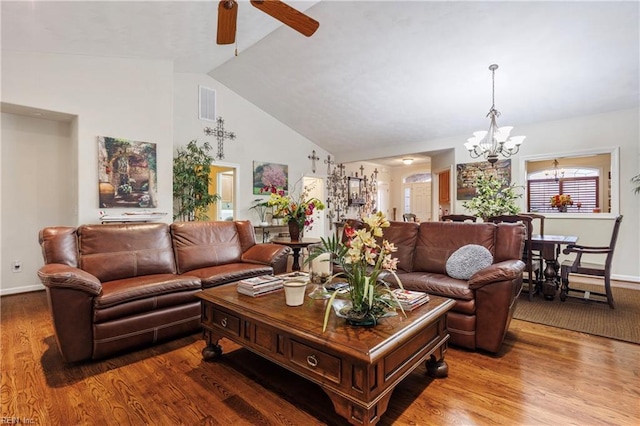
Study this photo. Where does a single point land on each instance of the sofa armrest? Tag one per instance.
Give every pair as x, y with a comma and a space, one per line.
274, 255
56, 275
71, 292
507, 270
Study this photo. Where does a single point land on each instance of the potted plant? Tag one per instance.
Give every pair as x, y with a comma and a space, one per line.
636, 184
261, 207
361, 259
191, 181
494, 197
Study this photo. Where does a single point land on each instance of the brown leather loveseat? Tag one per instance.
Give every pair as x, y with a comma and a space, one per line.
118, 286
484, 303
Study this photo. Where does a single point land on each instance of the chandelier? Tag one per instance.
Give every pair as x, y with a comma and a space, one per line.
490, 144
556, 172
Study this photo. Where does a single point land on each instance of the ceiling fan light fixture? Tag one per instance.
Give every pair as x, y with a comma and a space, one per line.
407, 161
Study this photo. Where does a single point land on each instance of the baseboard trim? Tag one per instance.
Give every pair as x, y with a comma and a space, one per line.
23, 289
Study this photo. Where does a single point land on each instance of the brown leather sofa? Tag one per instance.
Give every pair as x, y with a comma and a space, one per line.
119, 286
485, 303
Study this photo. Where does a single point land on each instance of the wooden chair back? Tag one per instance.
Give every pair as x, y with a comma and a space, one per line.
409, 217
527, 255
585, 268
458, 218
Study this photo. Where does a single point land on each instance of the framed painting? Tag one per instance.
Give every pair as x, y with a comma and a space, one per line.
270, 175
467, 174
127, 173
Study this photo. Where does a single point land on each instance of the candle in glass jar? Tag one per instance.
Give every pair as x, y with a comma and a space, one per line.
321, 266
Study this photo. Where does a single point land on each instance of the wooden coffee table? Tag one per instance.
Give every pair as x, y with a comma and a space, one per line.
357, 367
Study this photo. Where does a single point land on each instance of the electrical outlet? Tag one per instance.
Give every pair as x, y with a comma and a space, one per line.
16, 266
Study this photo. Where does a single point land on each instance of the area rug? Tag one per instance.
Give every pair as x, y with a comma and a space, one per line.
621, 323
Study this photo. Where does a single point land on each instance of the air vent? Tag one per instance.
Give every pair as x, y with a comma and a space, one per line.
207, 99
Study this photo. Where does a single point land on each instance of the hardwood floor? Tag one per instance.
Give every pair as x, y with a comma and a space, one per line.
543, 376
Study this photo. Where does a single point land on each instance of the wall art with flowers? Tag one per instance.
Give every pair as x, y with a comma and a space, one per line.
270, 175
127, 173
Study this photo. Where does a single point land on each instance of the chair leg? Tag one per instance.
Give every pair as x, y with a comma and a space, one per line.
607, 287
564, 289
532, 285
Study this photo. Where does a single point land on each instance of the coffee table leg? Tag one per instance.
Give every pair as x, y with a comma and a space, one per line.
358, 414
437, 368
212, 350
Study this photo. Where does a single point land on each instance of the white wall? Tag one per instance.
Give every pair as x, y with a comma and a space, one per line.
37, 172
126, 98
259, 137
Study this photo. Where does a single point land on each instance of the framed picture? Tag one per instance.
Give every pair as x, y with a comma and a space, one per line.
270, 175
127, 174
467, 174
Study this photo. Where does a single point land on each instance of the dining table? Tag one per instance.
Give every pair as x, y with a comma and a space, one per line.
550, 246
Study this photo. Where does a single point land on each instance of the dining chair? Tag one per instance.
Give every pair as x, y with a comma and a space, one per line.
458, 218
536, 249
532, 269
577, 266
409, 217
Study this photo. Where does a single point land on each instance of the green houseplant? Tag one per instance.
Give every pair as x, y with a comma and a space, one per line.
191, 181
494, 197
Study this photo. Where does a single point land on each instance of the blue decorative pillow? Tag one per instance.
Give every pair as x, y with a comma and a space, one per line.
468, 260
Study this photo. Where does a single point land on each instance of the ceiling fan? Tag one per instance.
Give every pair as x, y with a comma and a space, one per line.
228, 14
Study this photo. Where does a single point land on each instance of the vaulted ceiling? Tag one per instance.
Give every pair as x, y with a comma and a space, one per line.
377, 74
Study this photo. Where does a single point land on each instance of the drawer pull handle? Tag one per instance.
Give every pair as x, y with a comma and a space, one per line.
224, 322
312, 360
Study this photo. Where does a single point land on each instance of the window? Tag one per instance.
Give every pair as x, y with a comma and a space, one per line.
583, 192
590, 177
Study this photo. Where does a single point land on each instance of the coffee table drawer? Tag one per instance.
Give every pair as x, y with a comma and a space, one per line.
315, 361
223, 320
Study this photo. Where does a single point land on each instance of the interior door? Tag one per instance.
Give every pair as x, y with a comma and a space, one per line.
419, 200
317, 190
383, 199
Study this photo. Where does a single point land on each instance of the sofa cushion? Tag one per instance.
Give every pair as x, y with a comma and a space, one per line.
223, 274
438, 240
116, 251
145, 293
468, 260
404, 236
203, 244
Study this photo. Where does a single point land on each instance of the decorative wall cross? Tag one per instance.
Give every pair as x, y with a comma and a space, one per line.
329, 162
220, 134
313, 157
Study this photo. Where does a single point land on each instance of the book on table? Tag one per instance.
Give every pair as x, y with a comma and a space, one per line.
410, 299
258, 286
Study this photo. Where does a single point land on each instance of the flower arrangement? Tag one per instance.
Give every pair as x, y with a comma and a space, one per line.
561, 200
362, 258
293, 209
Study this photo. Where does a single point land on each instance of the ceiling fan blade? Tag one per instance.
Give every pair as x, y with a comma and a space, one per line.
288, 16
227, 18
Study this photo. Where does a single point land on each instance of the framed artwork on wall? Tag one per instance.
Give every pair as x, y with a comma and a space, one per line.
127, 174
270, 175
467, 174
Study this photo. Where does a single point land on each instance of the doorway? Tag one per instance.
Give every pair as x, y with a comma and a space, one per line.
316, 186
223, 183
